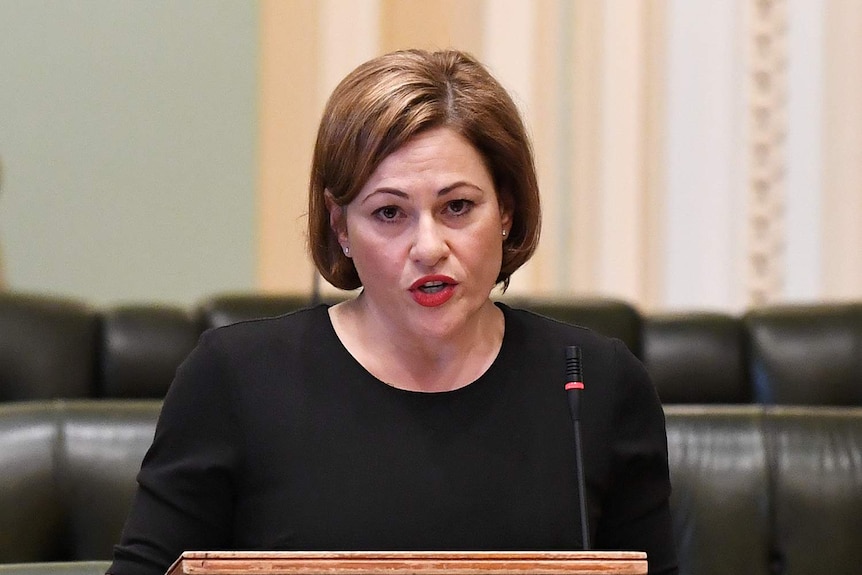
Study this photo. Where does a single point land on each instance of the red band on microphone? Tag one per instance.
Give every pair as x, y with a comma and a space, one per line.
574, 385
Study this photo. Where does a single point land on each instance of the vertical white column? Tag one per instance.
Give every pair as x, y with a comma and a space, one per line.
842, 151
705, 217
803, 183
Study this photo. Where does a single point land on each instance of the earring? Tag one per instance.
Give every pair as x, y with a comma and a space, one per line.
346, 250
504, 233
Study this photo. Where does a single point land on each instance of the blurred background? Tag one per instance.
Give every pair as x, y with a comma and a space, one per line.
693, 154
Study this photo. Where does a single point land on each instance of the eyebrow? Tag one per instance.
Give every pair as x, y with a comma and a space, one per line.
404, 195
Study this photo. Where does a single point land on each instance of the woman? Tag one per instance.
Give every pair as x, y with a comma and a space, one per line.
419, 415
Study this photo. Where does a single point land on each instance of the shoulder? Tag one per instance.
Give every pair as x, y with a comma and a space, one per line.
293, 327
607, 362
240, 358
534, 330
255, 345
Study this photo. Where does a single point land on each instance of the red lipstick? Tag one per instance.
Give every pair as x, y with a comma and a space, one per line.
433, 290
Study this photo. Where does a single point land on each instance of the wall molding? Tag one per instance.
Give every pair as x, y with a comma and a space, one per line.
766, 81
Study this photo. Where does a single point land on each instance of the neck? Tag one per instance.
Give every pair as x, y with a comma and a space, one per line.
414, 361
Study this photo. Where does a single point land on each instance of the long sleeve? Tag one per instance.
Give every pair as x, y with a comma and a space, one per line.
185, 487
636, 512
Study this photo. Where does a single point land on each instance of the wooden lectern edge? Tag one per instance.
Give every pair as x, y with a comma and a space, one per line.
410, 563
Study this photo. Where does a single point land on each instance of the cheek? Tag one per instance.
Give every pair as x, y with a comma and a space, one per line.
376, 257
487, 253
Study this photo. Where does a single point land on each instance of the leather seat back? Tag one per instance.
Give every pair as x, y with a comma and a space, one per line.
141, 348
807, 355
31, 516
609, 317
230, 308
720, 498
47, 348
67, 475
102, 446
697, 358
817, 454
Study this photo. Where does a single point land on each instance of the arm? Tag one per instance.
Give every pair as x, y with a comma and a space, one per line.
636, 508
186, 483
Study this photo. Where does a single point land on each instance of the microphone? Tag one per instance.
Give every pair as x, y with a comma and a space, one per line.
574, 385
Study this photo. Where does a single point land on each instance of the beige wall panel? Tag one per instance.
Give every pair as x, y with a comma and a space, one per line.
622, 178
585, 54
509, 52
349, 34
617, 54
654, 157
431, 24
547, 270
842, 151
288, 121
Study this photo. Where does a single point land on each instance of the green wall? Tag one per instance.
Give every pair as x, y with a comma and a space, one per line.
127, 138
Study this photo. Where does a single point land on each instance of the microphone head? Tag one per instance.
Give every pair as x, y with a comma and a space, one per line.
573, 365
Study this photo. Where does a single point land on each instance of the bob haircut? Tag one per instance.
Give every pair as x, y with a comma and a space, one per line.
386, 101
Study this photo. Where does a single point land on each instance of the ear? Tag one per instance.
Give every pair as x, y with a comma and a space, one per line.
337, 217
507, 208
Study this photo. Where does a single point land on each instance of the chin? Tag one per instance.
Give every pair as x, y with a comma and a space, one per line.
447, 318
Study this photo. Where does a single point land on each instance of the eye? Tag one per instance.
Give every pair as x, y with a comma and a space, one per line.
459, 207
387, 213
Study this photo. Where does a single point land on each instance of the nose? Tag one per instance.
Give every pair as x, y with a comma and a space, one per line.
429, 243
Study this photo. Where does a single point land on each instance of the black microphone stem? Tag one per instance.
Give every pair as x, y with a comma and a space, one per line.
574, 386
582, 490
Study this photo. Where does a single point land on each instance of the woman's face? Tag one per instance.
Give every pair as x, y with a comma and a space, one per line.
426, 234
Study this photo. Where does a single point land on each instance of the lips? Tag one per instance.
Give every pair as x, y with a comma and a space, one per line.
432, 291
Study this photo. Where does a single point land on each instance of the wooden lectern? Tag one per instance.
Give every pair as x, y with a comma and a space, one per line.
410, 563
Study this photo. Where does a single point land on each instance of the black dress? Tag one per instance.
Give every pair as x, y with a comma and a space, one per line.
272, 437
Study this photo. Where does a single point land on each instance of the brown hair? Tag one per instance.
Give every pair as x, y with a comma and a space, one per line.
388, 100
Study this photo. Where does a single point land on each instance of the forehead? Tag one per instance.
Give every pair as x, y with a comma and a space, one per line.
435, 153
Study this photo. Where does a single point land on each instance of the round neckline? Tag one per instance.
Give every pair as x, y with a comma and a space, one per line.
488, 375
